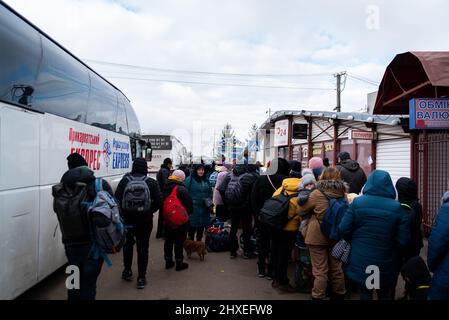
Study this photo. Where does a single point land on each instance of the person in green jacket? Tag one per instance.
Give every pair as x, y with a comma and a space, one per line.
199, 190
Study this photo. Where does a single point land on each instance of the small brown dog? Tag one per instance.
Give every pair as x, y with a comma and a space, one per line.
199, 247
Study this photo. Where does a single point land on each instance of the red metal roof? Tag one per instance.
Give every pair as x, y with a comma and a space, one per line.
414, 74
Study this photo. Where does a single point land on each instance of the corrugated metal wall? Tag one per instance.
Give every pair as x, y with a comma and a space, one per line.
393, 156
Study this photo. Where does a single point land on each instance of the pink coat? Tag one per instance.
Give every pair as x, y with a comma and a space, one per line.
217, 196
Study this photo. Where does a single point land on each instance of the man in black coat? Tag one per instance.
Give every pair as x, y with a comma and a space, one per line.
162, 178
351, 172
139, 224
175, 237
241, 212
78, 249
262, 190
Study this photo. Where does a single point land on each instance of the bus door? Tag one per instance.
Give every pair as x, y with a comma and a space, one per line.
19, 199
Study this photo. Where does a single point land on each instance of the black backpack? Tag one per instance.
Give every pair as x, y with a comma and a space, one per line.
274, 212
233, 193
136, 196
70, 206
223, 185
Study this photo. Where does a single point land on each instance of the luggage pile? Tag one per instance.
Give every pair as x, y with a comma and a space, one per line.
217, 237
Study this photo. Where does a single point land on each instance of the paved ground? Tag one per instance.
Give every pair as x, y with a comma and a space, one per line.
218, 277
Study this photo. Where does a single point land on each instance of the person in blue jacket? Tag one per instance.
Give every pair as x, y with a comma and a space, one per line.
377, 228
438, 253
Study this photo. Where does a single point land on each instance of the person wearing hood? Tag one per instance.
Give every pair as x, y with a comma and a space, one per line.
199, 190
376, 227
175, 237
221, 209
239, 206
438, 253
351, 172
263, 189
324, 265
78, 248
408, 197
162, 177
295, 169
139, 225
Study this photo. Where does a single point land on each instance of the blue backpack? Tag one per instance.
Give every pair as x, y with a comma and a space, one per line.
332, 217
108, 232
213, 178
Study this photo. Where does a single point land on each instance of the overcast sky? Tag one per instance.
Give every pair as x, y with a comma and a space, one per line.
312, 38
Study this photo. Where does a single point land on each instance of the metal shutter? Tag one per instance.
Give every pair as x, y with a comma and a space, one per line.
393, 156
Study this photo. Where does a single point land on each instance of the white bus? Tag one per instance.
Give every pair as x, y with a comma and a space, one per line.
51, 105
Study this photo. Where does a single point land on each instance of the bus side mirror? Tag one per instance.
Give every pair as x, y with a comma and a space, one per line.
149, 153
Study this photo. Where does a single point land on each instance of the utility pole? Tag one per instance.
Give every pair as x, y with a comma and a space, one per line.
339, 89
268, 112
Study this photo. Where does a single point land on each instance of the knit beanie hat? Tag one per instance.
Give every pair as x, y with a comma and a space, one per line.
75, 160
316, 163
307, 179
140, 166
178, 175
344, 155
306, 171
295, 165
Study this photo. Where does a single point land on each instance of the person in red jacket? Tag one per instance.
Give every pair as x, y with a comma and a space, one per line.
175, 237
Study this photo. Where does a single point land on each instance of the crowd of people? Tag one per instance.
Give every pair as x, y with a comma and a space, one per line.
381, 225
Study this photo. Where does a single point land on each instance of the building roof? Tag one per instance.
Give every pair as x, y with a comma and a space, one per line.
417, 74
348, 116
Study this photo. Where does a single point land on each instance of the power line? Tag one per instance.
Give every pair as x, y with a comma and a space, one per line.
196, 77
371, 82
363, 77
221, 84
207, 72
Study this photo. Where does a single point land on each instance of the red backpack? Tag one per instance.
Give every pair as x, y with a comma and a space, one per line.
174, 212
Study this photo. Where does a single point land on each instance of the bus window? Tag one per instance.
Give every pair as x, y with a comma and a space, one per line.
139, 150
20, 55
62, 87
122, 124
133, 123
133, 148
102, 109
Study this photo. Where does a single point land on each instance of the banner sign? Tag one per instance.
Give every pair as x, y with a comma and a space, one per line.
281, 133
429, 113
361, 135
159, 142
